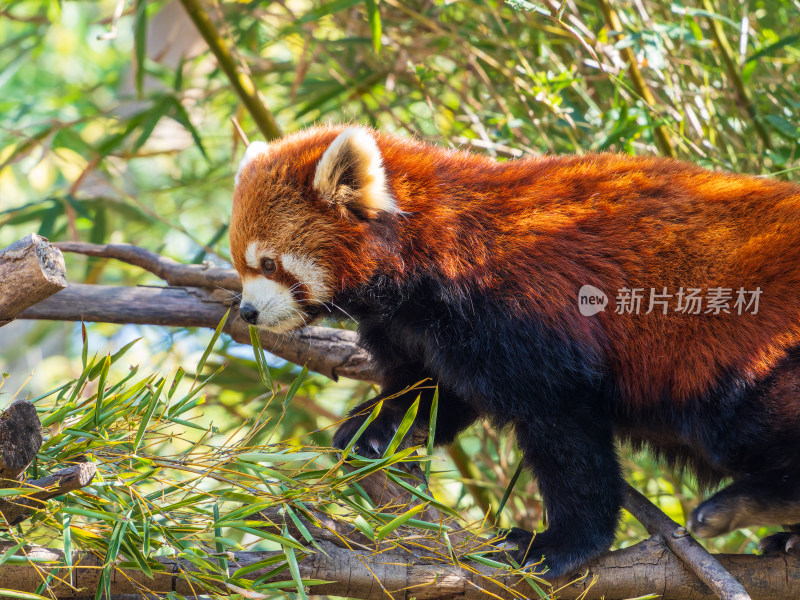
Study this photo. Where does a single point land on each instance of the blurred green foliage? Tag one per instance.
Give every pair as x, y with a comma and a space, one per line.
115, 126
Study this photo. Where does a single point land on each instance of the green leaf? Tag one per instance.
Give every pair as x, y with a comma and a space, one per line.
85, 349
177, 84
420, 524
479, 558
245, 526
183, 118
267, 562
151, 120
397, 522
218, 545
154, 397
294, 569
422, 496
372, 416
364, 527
432, 431
277, 457
405, 425
242, 512
510, 487
374, 17
773, 48
213, 341
140, 43
23, 595
101, 385
261, 360
10, 552
295, 386
326, 9
114, 542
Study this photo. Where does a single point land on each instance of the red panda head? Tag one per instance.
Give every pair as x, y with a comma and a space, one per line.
302, 222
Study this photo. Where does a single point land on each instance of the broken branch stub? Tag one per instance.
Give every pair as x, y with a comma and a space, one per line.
30, 270
20, 441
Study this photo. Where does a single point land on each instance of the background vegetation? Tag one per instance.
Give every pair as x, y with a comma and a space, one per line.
115, 126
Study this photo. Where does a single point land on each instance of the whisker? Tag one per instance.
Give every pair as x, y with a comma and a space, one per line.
233, 295
341, 309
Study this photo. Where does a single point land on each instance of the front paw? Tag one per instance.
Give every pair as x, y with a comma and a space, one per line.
535, 553
716, 516
784, 542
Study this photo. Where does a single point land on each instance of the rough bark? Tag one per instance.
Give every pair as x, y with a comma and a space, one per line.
173, 272
647, 567
15, 511
30, 270
332, 352
684, 546
20, 441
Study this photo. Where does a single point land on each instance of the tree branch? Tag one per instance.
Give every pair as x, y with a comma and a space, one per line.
173, 272
332, 352
647, 567
30, 270
242, 83
685, 547
60, 482
20, 441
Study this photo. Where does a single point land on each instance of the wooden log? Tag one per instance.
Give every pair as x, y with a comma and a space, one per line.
14, 511
685, 547
332, 352
647, 567
30, 270
20, 441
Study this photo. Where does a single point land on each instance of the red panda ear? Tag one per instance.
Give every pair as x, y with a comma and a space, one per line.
351, 174
254, 150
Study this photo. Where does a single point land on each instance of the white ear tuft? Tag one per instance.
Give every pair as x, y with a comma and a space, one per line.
254, 150
351, 172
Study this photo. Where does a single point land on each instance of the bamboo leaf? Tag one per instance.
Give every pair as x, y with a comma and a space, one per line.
294, 569
261, 361
374, 17
154, 397
405, 425
213, 341
432, 431
398, 521
140, 43
101, 385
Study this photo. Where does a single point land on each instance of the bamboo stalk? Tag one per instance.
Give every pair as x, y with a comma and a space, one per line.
732, 70
639, 84
242, 83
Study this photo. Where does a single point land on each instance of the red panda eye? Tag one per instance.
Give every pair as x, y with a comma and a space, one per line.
267, 266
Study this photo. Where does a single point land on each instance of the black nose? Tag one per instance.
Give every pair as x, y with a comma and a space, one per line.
249, 314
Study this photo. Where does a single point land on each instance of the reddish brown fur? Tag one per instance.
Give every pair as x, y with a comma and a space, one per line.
533, 231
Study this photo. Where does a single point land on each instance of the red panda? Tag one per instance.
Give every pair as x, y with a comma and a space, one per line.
473, 273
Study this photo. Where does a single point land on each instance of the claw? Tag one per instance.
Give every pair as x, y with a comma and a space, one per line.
785, 542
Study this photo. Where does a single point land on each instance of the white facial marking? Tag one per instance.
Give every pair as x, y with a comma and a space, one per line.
277, 309
254, 150
251, 255
357, 145
308, 273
